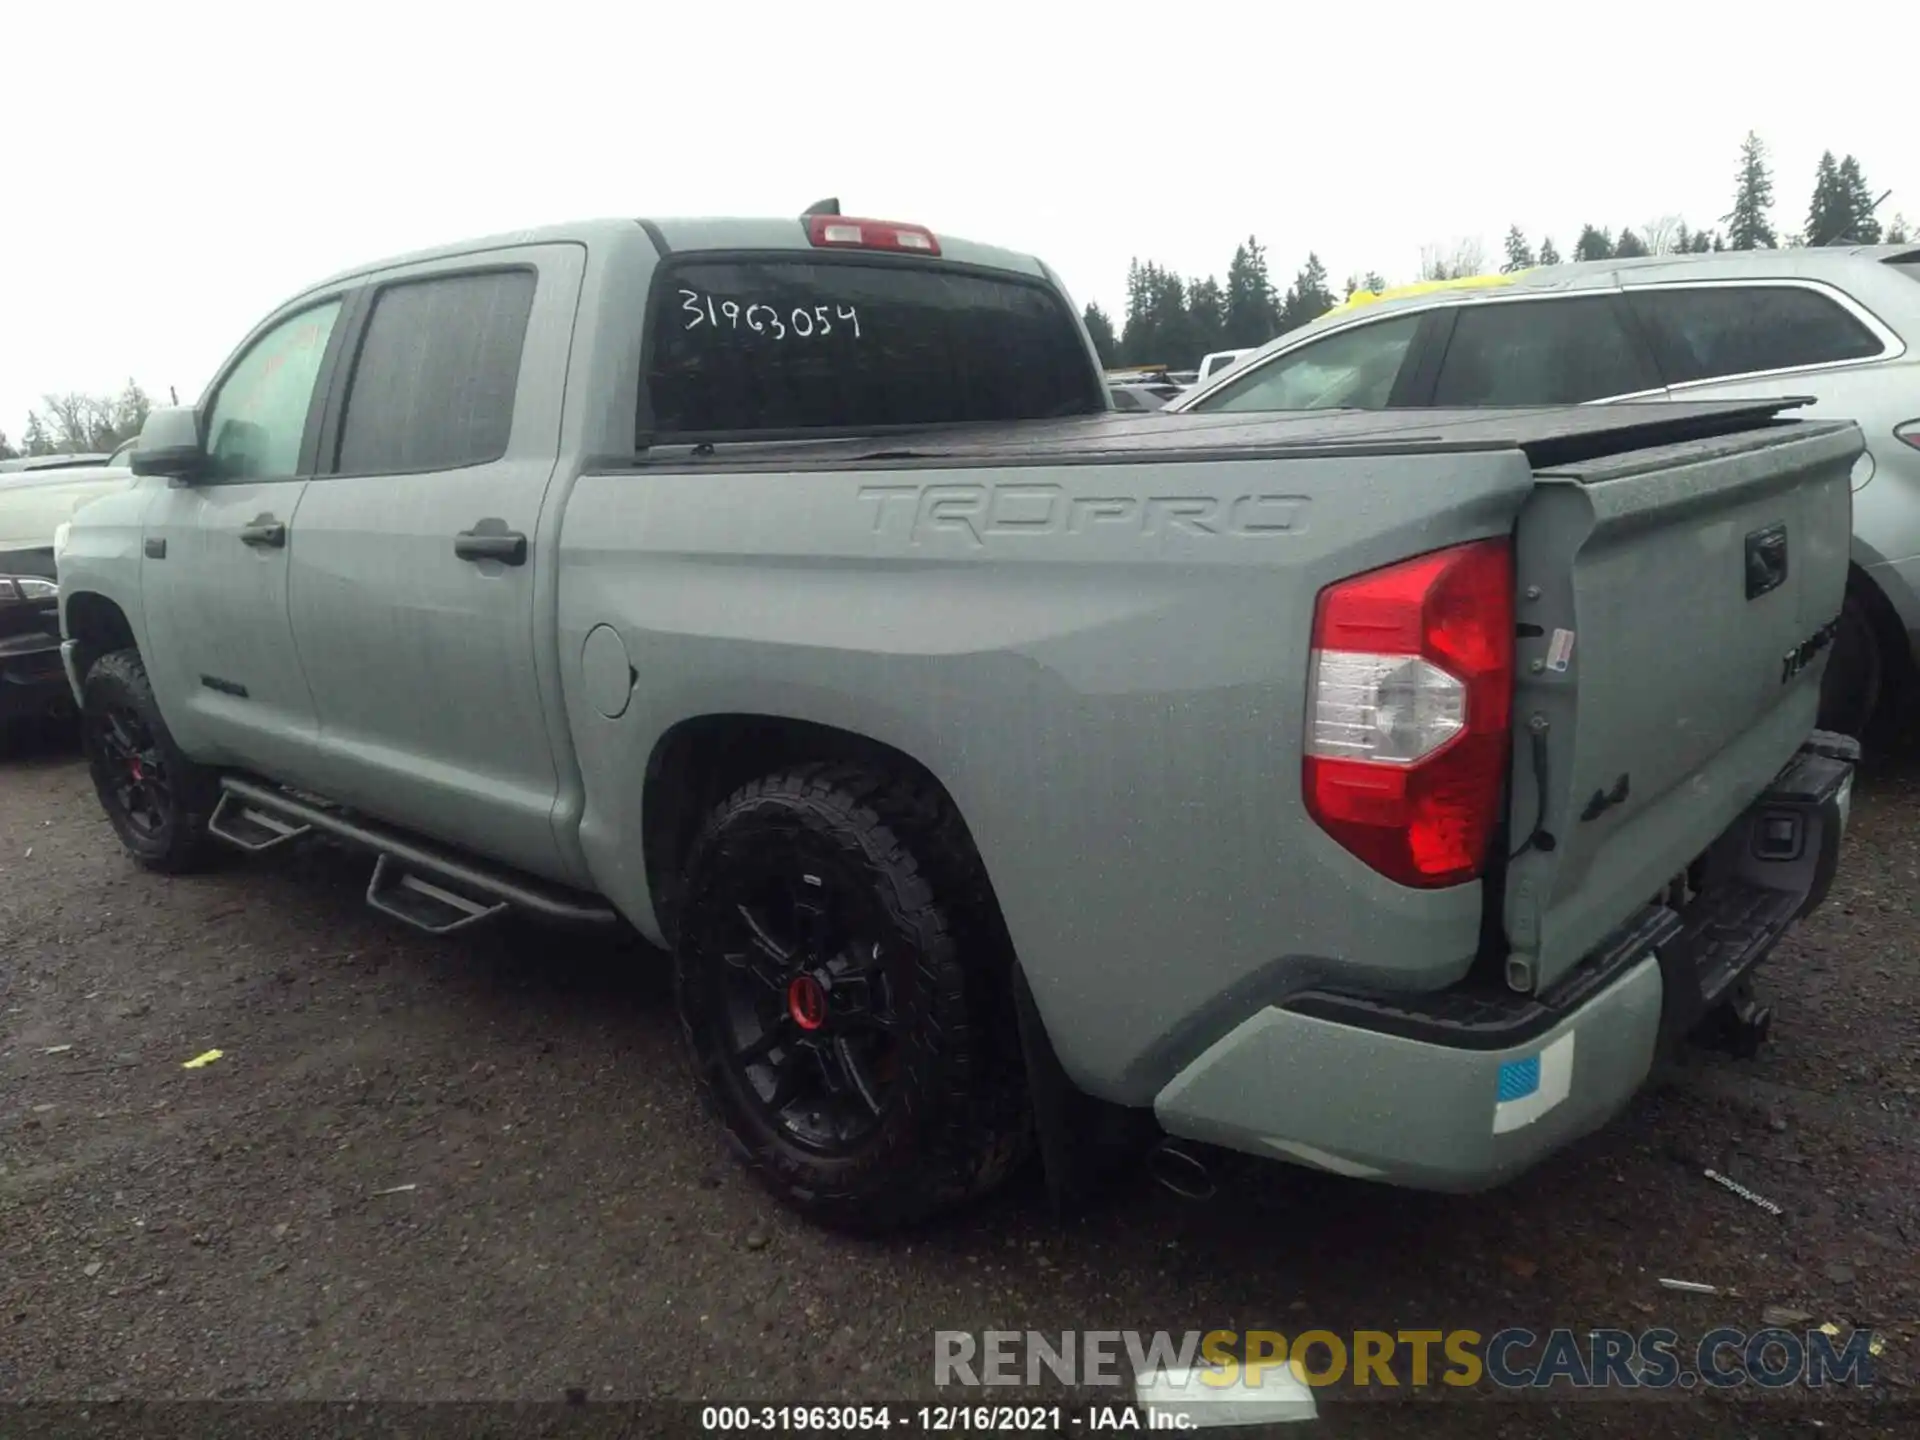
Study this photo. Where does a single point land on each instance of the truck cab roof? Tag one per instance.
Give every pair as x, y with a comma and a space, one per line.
677, 236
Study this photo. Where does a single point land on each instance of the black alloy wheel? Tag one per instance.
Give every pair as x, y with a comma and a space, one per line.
845, 988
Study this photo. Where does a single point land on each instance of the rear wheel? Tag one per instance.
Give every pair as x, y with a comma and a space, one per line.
157, 800
1856, 672
846, 1001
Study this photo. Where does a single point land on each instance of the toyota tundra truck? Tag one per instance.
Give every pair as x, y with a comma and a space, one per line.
1380, 792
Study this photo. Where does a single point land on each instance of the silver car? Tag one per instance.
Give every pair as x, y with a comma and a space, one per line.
1838, 325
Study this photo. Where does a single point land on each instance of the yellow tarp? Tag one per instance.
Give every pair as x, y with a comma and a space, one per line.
1424, 287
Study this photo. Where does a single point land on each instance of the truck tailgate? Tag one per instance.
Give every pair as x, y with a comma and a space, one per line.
1674, 608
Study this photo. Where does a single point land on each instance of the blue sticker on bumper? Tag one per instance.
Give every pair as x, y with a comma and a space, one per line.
1519, 1077
1528, 1088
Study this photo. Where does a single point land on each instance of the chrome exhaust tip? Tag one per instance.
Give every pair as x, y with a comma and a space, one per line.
1175, 1167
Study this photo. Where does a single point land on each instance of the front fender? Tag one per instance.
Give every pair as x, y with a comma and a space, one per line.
102, 556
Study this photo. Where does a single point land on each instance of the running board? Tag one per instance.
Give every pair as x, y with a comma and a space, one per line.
414, 880
250, 829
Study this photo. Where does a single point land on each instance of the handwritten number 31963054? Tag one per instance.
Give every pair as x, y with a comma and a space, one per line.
763, 319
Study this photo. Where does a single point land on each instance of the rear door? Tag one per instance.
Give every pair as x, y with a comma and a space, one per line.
418, 557
1665, 597
1561, 350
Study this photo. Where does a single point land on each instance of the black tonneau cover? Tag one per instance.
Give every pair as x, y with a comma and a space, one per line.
1554, 435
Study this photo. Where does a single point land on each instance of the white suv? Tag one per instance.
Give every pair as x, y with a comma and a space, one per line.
1840, 326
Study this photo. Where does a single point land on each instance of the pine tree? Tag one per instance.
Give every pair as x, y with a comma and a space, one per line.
1862, 228
1100, 330
1312, 285
1629, 246
1519, 252
1593, 244
1828, 216
1137, 339
7, 452
1897, 231
1207, 314
1748, 226
1548, 254
1682, 239
1307, 298
1252, 316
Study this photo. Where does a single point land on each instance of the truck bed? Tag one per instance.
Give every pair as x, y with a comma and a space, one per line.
1555, 435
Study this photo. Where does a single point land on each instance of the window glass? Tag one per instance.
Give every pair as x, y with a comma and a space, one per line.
806, 344
1352, 369
260, 413
434, 383
1541, 352
122, 459
1713, 331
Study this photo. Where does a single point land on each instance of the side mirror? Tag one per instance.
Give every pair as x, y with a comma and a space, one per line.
170, 445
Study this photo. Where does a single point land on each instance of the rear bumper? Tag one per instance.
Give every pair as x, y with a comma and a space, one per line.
32, 681
1465, 1088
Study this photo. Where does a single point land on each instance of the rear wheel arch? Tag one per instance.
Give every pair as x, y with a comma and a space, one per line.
701, 760
1887, 675
1888, 629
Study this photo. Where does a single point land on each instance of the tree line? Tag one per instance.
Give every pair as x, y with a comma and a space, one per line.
79, 424
1174, 321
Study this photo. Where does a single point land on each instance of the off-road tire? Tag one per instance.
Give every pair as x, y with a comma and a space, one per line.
117, 683
956, 1122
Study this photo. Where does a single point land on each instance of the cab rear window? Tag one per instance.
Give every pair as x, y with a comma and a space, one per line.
778, 345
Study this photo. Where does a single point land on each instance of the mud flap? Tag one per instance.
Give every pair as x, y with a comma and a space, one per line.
1772, 866
1085, 1143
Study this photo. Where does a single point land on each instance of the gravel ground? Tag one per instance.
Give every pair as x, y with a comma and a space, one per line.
473, 1169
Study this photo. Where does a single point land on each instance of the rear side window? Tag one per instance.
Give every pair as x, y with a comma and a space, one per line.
777, 344
1541, 352
434, 383
1352, 369
1708, 332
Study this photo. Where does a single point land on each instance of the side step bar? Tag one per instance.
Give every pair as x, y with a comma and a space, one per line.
396, 891
413, 879
249, 829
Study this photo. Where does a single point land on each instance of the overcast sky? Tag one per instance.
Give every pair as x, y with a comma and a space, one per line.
176, 169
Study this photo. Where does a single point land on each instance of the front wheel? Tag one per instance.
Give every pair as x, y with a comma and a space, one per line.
157, 800
846, 1001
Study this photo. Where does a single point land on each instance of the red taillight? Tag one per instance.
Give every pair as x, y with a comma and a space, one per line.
1909, 432
846, 233
1410, 696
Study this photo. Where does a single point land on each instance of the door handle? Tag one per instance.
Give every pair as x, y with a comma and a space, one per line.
265, 532
485, 542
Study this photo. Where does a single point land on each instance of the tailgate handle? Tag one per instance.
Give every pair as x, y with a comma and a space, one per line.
1766, 560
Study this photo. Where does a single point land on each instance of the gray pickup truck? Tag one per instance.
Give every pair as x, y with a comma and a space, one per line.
1381, 792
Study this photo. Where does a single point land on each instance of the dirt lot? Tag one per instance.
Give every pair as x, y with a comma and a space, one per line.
569, 1222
